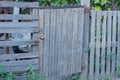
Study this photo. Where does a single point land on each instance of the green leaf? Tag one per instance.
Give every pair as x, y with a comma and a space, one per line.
103, 2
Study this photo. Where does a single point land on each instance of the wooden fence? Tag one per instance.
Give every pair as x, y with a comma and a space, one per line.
62, 46
18, 24
104, 43
74, 42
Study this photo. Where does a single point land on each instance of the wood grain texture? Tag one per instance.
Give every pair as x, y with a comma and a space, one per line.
92, 46
19, 4
62, 45
109, 41
103, 42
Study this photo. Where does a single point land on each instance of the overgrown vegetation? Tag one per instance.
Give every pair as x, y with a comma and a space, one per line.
30, 74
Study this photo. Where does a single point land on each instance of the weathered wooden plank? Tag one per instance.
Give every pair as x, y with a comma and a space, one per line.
41, 22
46, 47
52, 42
19, 24
18, 17
114, 22
7, 57
103, 43
20, 68
59, 38
118, 39
64, 41
85, 52
79, 42
97, 64
18, 62
68, 39
92, 46
19, 4
18, 30
22, 42
108, 42
74, 42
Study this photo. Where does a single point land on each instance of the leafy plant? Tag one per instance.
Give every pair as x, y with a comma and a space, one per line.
73, 77
107, 77
118, 69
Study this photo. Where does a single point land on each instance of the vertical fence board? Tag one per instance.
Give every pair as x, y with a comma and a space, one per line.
97, 53
92, 45
114, 41
41, 22
104, 14
46, 47
108, 42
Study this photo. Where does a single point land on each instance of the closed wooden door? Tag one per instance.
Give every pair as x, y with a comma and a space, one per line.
61, 48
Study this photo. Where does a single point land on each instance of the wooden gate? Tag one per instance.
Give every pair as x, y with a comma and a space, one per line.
23, 22
61, 49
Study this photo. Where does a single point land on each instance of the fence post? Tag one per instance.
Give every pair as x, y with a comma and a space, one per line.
85, 68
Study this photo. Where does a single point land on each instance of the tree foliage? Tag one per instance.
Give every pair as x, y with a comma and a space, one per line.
105, 4
57, 2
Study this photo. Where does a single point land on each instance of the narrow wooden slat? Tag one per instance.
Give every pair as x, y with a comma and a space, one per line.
92, 40
20, 68
19, 62
60, 39
67, 38
41, 22
17, 56
80, 27
97, 67
108, 42
19, 4
18, 30
18, 17
104, 17
22, 42
52, 41
18, 24
56, 41
74, 32
118, 45
114, 40
46, 47
64, 41
85, 45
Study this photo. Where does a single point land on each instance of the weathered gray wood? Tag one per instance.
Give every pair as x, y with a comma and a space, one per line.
97, 53
20, 30
20, 68
62, 40
18, 24
92, 46
104, 14
109, 42
114, 24
6, 57
46, 47
19, 4
18, 17
22, 42
41, 22
86, 31
19, 62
